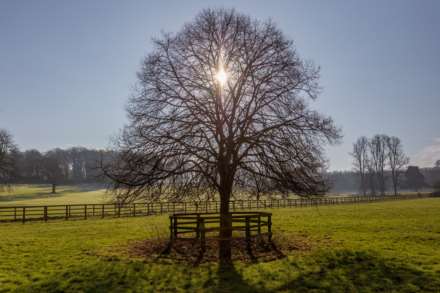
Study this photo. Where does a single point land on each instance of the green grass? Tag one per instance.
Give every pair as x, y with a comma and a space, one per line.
378, 247
41, 195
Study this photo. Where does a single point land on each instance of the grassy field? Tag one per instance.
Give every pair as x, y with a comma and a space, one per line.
41, 195
388, 246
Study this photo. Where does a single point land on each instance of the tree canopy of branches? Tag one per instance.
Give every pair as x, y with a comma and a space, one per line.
221, 104
8, 154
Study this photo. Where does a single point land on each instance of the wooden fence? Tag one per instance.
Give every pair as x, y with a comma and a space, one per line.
86, 211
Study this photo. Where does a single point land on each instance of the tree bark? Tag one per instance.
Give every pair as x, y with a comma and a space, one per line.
225, 233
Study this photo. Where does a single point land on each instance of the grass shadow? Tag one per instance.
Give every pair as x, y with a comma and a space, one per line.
359, 271
342, 271
119, 276
230, 280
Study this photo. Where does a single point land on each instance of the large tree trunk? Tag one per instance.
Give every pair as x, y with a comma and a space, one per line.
225, 233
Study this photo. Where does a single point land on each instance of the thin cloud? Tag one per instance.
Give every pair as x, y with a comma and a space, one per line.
428, 155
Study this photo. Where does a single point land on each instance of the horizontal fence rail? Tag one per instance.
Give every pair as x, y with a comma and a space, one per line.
86, 211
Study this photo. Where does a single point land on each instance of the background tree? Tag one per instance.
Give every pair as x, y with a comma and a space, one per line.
414, 178
436, 186
360, 156
397, 160
52, 170
222, 98
8, 157
437, 164
378, 157
31, 166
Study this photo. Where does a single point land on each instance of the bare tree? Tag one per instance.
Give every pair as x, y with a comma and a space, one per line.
360, 156
8, 151
397, 160
222, 98
378, 157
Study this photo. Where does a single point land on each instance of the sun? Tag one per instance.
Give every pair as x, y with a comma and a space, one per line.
221, 76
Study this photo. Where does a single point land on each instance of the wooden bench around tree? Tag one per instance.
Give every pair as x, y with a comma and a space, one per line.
198, 225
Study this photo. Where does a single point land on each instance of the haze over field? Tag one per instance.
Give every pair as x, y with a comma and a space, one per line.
68, 67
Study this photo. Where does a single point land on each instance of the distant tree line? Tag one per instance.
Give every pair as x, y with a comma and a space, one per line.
57, 166
79, 165
349, 181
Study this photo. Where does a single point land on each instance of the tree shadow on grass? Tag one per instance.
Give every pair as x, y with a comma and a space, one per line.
230, 280
341, 271
118, 276
348, 271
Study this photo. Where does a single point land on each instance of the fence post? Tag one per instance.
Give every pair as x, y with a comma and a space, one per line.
269, 227
15, 214
175, 227
198, 227
45, 213
248, 234
202, 235
171, 229
24, 215
85, 212
134, 209
259, 224
67, 212
102, 211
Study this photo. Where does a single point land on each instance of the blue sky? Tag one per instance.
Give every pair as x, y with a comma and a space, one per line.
67, 67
